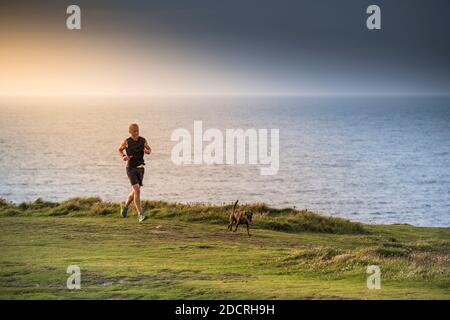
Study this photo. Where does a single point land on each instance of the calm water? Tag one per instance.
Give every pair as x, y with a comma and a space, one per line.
380, 160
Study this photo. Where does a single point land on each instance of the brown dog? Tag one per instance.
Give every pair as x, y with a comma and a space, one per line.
240, 217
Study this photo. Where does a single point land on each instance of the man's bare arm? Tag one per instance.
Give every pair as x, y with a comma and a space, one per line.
147, 148
122, 147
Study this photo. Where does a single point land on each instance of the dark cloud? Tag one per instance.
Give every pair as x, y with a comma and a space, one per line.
324, 41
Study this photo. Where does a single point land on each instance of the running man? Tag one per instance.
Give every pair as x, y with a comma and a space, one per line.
135, 147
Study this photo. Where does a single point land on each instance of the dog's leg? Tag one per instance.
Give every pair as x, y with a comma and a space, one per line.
230, 225
232, 222
237, 225
248, 230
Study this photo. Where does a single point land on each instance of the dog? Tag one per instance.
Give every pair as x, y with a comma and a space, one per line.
240, 217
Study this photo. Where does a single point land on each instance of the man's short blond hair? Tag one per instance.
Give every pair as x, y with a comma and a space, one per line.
133, 125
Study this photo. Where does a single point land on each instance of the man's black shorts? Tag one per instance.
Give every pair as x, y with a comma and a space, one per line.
136, 175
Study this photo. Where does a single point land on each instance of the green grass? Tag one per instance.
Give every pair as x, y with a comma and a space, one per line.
185, 252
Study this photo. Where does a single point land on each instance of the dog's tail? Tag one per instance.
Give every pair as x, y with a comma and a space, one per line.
234, 206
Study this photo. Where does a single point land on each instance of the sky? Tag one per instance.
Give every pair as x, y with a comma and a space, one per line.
204, 47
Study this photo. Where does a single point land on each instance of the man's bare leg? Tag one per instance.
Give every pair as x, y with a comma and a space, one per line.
124, 205
130, 198
137, 201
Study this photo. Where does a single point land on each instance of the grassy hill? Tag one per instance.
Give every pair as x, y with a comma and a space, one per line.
185, 251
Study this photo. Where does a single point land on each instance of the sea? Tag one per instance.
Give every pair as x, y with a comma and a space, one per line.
369, 159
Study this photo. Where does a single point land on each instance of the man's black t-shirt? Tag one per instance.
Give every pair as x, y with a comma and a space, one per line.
135, 150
